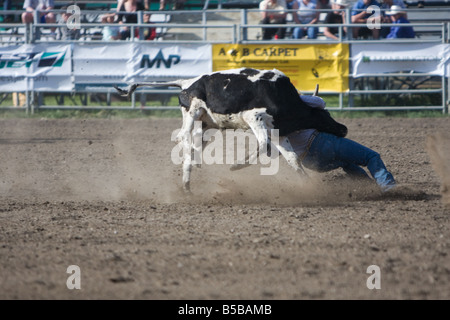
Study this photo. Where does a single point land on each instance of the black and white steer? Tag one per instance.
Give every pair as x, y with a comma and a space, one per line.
245, 98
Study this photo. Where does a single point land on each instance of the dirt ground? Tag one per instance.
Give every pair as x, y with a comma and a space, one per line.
105, 196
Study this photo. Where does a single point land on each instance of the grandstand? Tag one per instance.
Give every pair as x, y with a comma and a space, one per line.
236, 22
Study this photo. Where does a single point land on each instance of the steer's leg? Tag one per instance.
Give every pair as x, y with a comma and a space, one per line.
196, 111
257, 120
182, 131
197, 143
286, 150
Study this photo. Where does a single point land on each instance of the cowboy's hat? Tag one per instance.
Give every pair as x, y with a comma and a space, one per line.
343, 3
395, 10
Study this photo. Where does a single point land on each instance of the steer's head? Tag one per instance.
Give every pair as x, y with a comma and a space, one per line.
326, 122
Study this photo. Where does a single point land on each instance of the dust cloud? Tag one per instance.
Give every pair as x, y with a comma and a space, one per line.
438, 147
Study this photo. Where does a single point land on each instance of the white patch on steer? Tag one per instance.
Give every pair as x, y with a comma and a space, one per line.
277, 73
186, 83
257, 77
226, 121
238, 120
289, 154
259, 115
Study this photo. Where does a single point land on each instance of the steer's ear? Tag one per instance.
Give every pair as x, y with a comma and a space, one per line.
316, 92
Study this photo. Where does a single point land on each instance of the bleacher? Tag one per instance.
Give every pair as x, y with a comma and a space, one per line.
205, 22
170, 22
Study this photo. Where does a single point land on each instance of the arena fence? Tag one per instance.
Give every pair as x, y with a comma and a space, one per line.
205, 27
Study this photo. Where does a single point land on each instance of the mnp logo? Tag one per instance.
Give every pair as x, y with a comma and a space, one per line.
158, 60
25, 60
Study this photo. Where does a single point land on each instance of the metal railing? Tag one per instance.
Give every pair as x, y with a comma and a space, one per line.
238, 32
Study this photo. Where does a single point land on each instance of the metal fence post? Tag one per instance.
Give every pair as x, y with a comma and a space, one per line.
350, 102
204, 29
37, 33
444, 97
244, 20
27, 101
140, 16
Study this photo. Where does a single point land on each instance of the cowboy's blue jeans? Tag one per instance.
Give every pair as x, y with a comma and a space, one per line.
328, 152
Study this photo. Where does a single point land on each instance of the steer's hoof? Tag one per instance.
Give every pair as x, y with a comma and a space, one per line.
187, 190
238, 166
235, 167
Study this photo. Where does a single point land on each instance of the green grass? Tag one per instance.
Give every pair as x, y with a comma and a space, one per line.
89, 114
137, 113
100, 100
394, 114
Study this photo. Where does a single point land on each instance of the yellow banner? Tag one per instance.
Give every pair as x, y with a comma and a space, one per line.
305, 64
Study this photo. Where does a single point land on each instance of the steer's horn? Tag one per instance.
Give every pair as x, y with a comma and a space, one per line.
316, 92
126, 93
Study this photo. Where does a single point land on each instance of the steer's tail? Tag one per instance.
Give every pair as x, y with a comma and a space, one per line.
128, 92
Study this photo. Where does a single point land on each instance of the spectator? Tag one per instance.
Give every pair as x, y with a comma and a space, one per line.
289, 4
109, 32
64, 33
336, 16
277, 16
323, 4
398, 17
44, 6
385, 6
306, 15
145, 2
127, 14
178, 4
148, 33
359, 15
7, 6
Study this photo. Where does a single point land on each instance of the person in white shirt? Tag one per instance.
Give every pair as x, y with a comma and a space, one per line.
277, 16
44, 6
306, 17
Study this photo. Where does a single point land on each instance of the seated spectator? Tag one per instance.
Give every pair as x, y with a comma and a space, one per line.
145, 3
148, 33
336, 16
385, 6
359, 15
7, 6
110, 33
44, 6
306, 15
178, 4
398, 17
289, 4
64, 33
278, 16
127, 14
323, 4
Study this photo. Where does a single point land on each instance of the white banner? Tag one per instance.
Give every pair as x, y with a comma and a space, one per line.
137, 62
157, 61
378, 58
100, 63
35, 67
